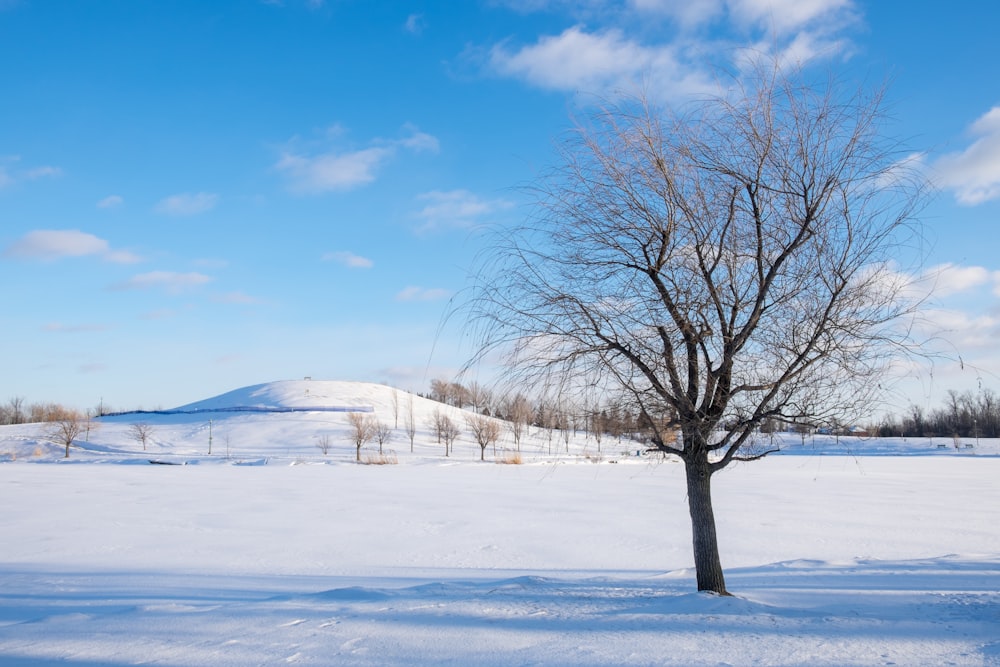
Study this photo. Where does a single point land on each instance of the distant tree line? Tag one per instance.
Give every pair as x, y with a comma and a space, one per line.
17, 411
559, 417
966, 415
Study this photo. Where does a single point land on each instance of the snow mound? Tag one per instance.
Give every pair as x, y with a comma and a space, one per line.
300, 394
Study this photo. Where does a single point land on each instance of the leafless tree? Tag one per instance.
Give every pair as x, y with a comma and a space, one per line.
362, 430
13, 412
485, 430
141, 433
409, 421
383, 433
449, 433
436, 423
67, 429
728, 262
395, 407
323, 443
518, 412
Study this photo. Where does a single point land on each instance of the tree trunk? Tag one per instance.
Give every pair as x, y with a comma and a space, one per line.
707, 565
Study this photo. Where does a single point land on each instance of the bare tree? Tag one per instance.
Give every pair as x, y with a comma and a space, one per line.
518, 411
395, 407
141, 433
436, 423
409, 421
449, 433
323, 443
485, 430
383, 433
14, 411
727, 263
67, 429
362, 430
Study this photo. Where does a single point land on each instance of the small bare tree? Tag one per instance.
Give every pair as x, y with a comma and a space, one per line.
395, 407
436, 423
383, 433
727, 263
409, 421
449, 433
362, 430
486, 431
67, 429
141, 433
323, 443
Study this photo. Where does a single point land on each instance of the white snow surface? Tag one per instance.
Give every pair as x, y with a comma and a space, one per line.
266, 551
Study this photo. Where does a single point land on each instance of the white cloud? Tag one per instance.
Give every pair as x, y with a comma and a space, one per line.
415, 24
974, 173
187, 203
419, 142
413, 293
677, 64
41, 172
785, 16
53, 244
600, 62
316, 172
167, 280
456, 208
236, 298
685, 12
11, 174
349, 259
948, 279
327, 172
111, 201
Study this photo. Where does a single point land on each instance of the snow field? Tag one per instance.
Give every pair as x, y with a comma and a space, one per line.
873, 558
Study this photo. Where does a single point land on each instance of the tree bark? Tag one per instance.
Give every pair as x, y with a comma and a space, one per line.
707, 564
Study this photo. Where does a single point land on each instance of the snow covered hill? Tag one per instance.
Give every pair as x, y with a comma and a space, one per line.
291, 420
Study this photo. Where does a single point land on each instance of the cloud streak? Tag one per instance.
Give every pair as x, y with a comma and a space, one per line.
348, 259
330, 170
169, 281
49, 245
456, 209
187, 204
414, 293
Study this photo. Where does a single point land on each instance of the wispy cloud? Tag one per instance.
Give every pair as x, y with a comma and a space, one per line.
325, 169
456, 208
348, 259
330, 172
11, 172
58, 327
415, 24
236, 298
111, 201
598, 62
49, 245
187, 203
947, 279
413, 293
974, 173
168, 281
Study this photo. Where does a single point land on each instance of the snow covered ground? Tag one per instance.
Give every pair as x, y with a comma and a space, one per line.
267, 551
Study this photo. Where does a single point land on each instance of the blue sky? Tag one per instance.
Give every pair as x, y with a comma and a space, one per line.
199, 196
